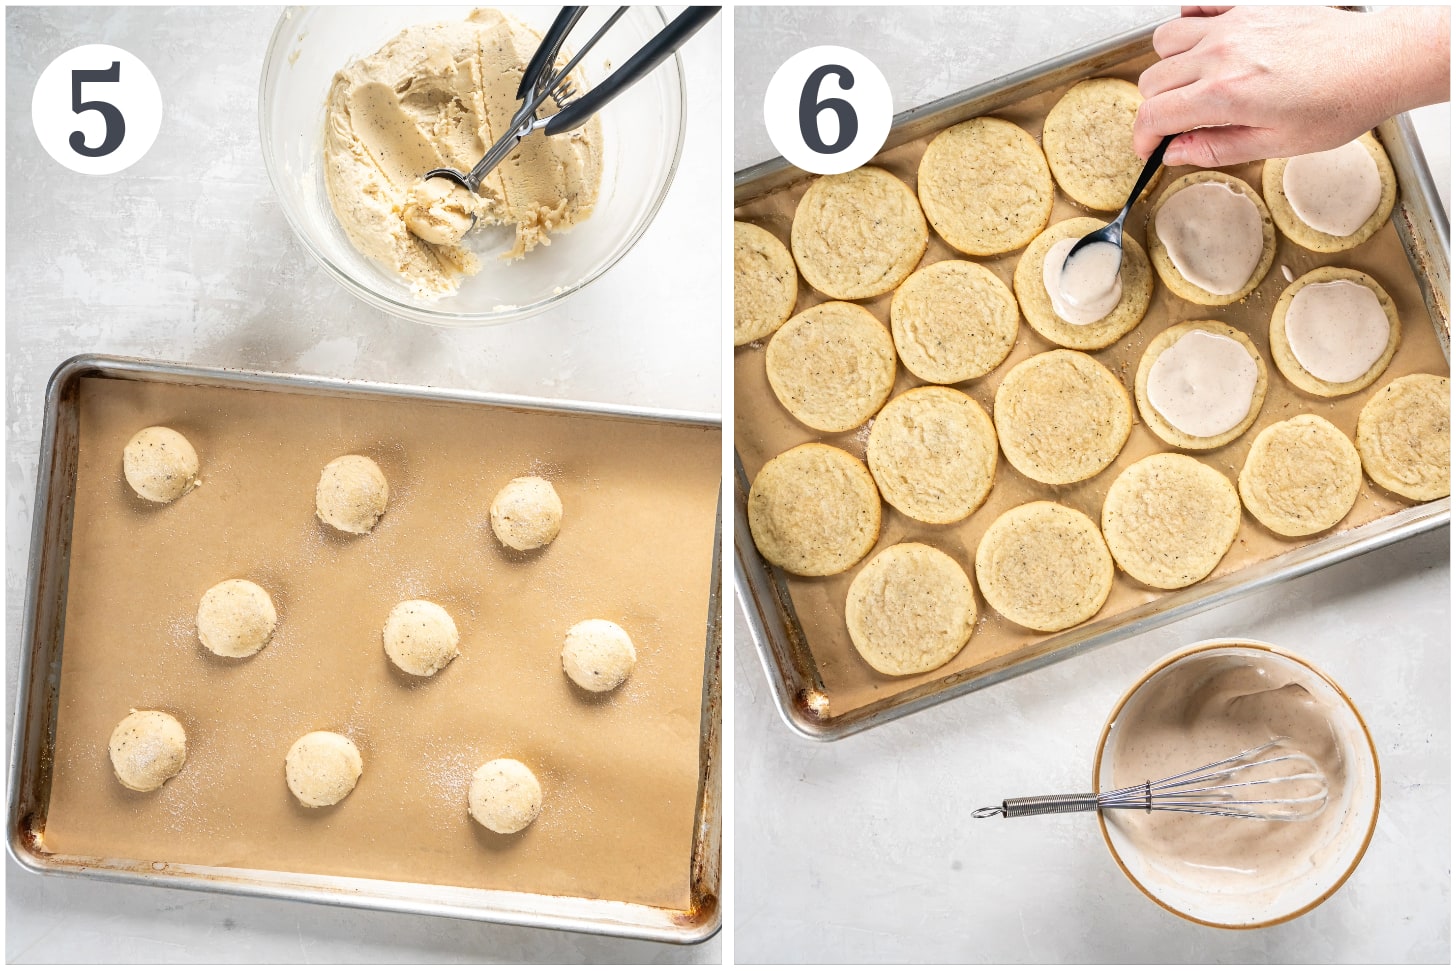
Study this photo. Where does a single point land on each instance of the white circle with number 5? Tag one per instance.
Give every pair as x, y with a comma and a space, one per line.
828, 110
96, 109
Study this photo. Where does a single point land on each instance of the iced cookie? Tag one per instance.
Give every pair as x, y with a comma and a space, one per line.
420, 637
147, 749
765, 283
858, 234
932, 452
1168, 519
598, 655
1061, 417
1211, 238
526, 513
1333, 201
1301, 476
1200, 384
235, 618
953, 321
1044, 566
160, 464
1088, 140
1404, 437
985, 186
910, 610
351, 494
1333, 332
1037, 302
504, 797
814, 510
832, 366
322, 768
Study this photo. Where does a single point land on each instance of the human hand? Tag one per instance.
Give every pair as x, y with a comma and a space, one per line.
1248, 83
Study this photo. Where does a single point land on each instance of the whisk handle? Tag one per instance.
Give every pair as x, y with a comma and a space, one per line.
1084, 802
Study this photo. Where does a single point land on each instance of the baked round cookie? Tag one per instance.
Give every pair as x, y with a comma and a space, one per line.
598, 655
160, 464
1301, 232
953, 321
351, 494
832, 366
1404, 437
765, 283
1088, 140
814, 510
1284, 354
1208, 233
322, 768
505, 797
420, 637
858, 234
1061, 417
910, 610
1031, 291
235, 618
1211, 389
1301, 476
1044, 566
985, 186
932, 452
1168, 519
526, 513
147, 749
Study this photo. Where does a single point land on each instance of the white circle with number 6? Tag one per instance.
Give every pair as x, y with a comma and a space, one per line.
828, 110
96, 109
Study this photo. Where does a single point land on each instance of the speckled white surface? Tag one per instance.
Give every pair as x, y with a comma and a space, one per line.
186, 257
862, 850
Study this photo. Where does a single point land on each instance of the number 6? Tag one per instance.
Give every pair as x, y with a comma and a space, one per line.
115, 123
809, 109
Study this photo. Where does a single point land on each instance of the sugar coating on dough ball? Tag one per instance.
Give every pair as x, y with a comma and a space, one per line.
322, 768
235, 618
160, 464
504, 796
526, 514
351, 494
147, 749
420, 637
598, 655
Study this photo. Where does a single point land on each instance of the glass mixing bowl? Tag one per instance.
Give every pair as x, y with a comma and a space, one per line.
642, 133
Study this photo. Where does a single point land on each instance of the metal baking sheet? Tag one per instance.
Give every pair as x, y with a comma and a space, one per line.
797, 679
33, 761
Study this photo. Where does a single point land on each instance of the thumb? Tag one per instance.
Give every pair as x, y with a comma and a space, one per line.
1213, 148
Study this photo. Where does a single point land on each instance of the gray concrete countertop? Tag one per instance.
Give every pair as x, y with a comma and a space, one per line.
186, 256
863, 850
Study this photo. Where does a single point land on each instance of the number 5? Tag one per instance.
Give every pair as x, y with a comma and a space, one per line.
115, 124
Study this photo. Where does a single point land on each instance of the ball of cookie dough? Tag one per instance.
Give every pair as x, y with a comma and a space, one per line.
504, 796
322, 768
147, 749
160, 464
598, 655
351, 494
235, 618
420, 637
526, 514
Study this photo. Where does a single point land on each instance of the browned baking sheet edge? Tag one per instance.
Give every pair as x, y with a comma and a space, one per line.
797, 690
39, 680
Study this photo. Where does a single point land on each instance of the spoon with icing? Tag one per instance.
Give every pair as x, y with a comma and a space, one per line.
1089, 273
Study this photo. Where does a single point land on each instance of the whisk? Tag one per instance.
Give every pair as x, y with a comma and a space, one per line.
1236, 787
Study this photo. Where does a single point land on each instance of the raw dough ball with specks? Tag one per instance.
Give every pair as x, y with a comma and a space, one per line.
504, 796
420, 637
526, 514
235, 618
160, 464
147, 749
352, 494
598, 655
322, 768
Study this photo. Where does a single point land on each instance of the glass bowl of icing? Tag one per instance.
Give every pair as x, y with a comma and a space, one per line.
1210, 701
642, 137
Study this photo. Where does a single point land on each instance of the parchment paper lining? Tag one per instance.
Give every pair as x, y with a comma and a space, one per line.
620, 772
763, 428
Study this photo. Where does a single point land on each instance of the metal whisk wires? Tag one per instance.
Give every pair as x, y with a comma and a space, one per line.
1238, 787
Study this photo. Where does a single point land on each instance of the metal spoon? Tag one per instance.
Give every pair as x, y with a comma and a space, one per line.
1112, 232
